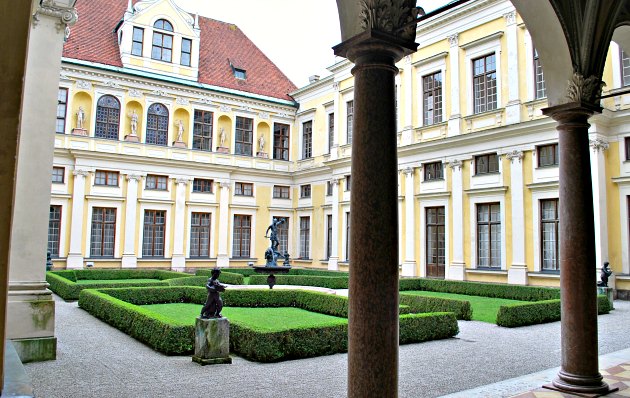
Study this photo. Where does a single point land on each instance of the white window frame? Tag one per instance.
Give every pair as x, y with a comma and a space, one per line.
426, 67
114, 203
483, 198
424, 203
119, 95
213, 217
167, 207
252, 239
477, 49
63, 224
537, 196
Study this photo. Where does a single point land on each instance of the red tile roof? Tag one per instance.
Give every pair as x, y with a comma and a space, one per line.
93, 38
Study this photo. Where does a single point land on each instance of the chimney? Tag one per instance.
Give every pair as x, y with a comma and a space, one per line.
313, 79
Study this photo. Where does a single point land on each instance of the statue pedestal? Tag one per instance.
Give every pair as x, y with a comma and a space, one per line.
179, 144
132, 138
222, 149
262, 155
78, 131
608, 292
212, 341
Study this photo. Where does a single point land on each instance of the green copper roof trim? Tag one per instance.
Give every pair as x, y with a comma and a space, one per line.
176, 80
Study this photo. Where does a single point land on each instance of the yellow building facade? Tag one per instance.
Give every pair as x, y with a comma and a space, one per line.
196, 165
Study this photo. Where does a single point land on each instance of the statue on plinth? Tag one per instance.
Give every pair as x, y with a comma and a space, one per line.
606, 273
80, 117
214, 303
272, 253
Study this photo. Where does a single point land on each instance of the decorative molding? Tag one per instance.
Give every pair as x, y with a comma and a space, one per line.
453, 40
456, 163
134, 93
68, 16
84, 85
134, 177
182, 101
225, 108
206, 99
81, 172
408, 171
580, 89
334, 181
111, 83
598, 144
246, 108
224, 184
159, 93
263, 115
514, 155
391, 16
335, 86
182, 180
510, 18
283, 115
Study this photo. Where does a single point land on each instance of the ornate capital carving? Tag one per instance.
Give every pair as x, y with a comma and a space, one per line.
510, 18
408, 171
584, 90
598, 144
391, 16
334, 182
182, 101
80, 172
134, 93
134, 177
514, 155
336, 86
453, 40
84, 85
455, 164
160, 93
224, 184
68, 16
182, 180
225, 108
263, 115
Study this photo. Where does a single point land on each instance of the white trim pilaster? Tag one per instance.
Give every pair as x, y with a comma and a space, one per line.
454, 120
517, 273
333, 261
409, 264
457, 268
223, 259
129, 258
513, 107
178, 259
75, 255
600, 211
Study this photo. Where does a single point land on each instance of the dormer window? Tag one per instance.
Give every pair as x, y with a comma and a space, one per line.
186, 51
162, 48
138, 38
240, 73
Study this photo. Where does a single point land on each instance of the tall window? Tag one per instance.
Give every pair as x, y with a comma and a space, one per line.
54, 226
432, 89
154, 230
548, 155
186, 51
62, 106
107, 117
159, 183
58, 174
202, 185
488, 163
281, 141
347, 236
307, 139
433, 171
243, 189
200, 234
348, 182
103, 232
541, 91
107, 178
627, 142
349, 120
305, 191
485, 83
549, 222
138, 38
329, 188
202, 130
305, 236
331, 131
489, 235
157, 125
283, 235
162, 49
241, 238
281, 192
436, 247
625, 67
244, 136
329, 230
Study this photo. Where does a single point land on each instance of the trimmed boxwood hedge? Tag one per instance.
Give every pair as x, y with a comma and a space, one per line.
330, 282
232, 278
512, 292
523, 314
419, 304
119, 308
96, 274
249, 271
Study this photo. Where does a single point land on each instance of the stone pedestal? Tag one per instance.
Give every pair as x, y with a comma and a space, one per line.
222, 149
517, 274
179, 144
212, 341
132, 138
79, 131
263, 155
608, 292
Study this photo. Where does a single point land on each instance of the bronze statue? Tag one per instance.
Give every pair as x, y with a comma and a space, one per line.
606, 272
272, 253
214, 303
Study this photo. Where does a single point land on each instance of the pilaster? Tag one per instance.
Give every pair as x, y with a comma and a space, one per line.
409, 263
75, 254
223, 259
178, 259
454, 121
129, 258
513, 106
456, 270
333, 261
598, 173
517, 273
334, 149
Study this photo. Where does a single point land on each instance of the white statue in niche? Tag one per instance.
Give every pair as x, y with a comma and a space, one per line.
261, 143
180, 131
222, 137
80, 117
134, 122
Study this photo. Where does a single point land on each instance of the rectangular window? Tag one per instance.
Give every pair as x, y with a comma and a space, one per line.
281, 192
281, 141
485, 83
162, 49
305, 191
241, 238
435, 241
108, 178
186, 51
347, 236
329, 231
329, 188
243, 189
307, 140
283, 235
240, 73
159, 183
349, 120
244, 136
627, 142
432, 89
202, 185
200, 234
488, 163
202, 130
539, 77
331, 131
625, 68
58, 174
348, 182
489, 235
138, 38
548, 155
433, 171
549, 222
62, 106
154, 231
103, 232
305, 235
54, 227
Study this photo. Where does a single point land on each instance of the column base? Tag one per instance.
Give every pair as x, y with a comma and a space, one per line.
178, 262
409, 268
454, 126
333, 264
456, 272
576, 384
223, 261
517, 274
36, 349
129, 261
74, 261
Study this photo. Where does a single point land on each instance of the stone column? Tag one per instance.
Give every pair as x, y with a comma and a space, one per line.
457, 269
598, 174
75, 254
333, 261
579, 371
223, 259
454, 121
130, 258
517, 273
513, 107
373, 299
409, 265
178, 259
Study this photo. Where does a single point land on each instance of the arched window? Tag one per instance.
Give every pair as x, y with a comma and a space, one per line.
162, 48
157, 125
107, 117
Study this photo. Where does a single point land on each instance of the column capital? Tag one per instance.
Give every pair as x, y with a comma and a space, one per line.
67, 16
224, 184
598, 144
514, 155
133, 177
81, 172
510, 17
372, 46
453, 40
408, 171
182, 180
455, 164
334, 181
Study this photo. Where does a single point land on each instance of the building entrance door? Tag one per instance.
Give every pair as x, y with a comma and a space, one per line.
435, 242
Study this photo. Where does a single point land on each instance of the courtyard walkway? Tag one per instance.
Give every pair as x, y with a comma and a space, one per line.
96, 360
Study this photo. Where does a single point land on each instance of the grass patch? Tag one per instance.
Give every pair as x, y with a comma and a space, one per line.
261, 319
484, 309
114, 281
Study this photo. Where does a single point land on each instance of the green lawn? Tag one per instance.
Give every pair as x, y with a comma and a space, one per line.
261, 319
110, 281
484, 308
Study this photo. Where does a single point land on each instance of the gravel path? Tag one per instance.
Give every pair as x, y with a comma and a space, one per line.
96, 360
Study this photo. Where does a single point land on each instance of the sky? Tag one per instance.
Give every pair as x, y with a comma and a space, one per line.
297, 35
